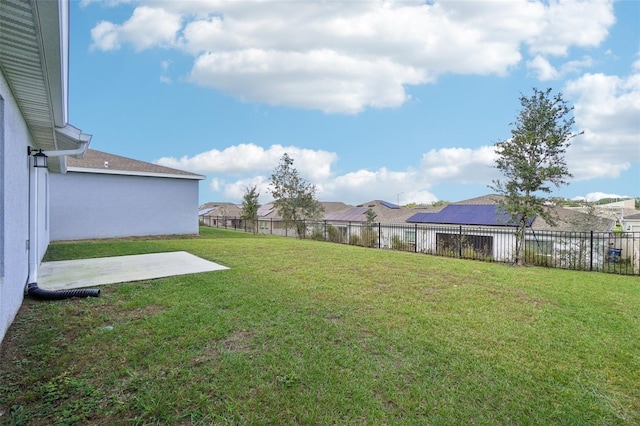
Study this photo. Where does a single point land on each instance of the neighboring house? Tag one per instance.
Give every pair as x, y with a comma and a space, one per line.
616, 211
113, 196
270, 222
480, 225
220, 215
631, 223
33, 115
483, 228
350, 225
383, 212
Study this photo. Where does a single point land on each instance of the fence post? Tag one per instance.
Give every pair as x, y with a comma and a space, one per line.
415, 238
591, 253
460, 244
379, 235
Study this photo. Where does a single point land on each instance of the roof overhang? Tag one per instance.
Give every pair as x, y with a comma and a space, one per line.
34, 58
133, 173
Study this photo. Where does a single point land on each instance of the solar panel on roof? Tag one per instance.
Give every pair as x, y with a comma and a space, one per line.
389, 205
265, 210
352, 215
467, 214
204, 211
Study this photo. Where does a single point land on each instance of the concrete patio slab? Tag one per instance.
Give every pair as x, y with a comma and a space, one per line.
68, 274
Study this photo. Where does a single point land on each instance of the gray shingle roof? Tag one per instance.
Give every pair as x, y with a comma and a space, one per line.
221, 209
572, 220
97, 160
483, 199
385, 213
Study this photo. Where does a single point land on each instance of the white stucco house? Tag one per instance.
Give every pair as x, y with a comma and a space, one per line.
115, 196
631, 223
33, 116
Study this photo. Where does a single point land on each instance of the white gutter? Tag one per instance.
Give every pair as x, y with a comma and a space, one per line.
80, 151
70, 136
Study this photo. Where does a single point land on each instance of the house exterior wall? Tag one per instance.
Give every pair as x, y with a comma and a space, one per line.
632, 225
14, 199
94, 205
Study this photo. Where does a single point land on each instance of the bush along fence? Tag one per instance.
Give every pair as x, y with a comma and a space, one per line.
613, 252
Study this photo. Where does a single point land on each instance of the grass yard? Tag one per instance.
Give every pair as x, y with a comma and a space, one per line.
313, 333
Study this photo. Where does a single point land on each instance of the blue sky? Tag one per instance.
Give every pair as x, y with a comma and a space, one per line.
399, 101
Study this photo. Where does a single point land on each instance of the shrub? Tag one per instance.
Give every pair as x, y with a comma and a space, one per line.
399, 244
335, 235
317, 234
368, 237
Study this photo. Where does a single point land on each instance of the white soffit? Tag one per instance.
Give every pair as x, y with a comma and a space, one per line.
21, 59
34, 40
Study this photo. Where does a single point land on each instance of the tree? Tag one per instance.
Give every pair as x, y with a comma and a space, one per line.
533, 159
250, 207
368, 234
295, 198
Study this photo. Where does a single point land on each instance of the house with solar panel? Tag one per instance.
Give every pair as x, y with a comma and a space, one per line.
483, 229
220, 215
478, 227
270, 222
350, 225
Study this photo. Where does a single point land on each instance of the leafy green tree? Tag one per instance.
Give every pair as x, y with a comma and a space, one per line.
368, 234
533, 159
371, 217
294, 197
250, 207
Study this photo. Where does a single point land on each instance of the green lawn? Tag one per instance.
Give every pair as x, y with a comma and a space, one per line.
314, 333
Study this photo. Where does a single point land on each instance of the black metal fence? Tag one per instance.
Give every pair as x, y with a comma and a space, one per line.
613, 252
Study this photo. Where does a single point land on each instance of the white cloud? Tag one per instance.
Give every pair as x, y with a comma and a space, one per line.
147, 27
572, 23
462, 165
322, 79
545, 71
107, 3
596, 196
245, 159
105, 36
344, 56
607, 110
235, 168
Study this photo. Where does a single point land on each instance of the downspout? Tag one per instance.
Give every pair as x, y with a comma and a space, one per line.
33, 222
70, 152
32, 288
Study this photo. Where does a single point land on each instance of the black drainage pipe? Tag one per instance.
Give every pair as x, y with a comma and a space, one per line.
40, 293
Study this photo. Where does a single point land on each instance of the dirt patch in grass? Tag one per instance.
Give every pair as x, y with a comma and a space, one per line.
334, 318
140, 313
239, 341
